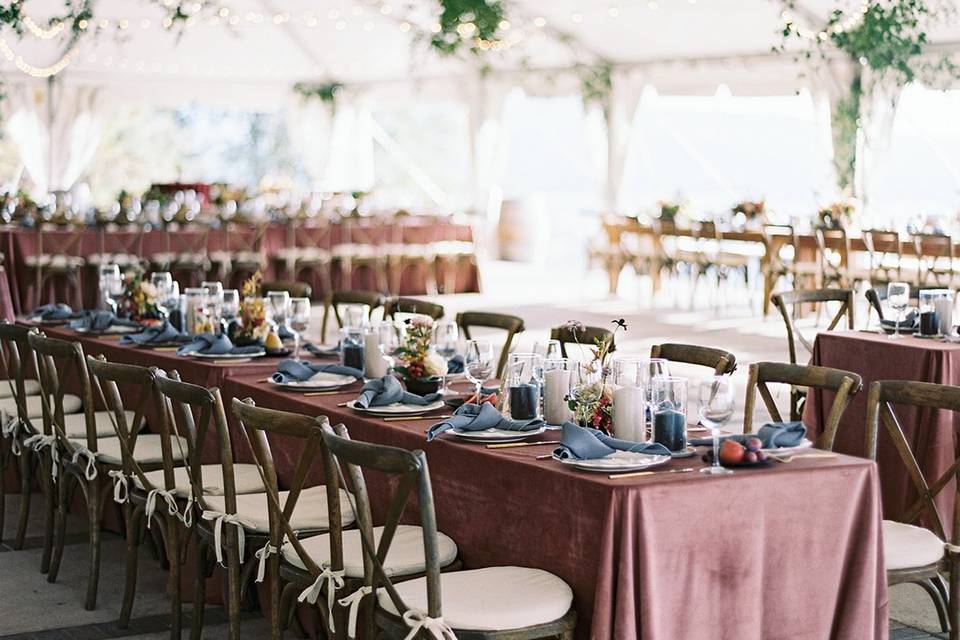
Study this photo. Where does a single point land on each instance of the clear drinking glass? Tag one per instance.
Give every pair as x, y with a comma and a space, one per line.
231, 304
650, 369
523, 384
278, 306
669, 412
716, 409
112, 288
355, 316
898, 297
446, 339
109, 274
478, 363
299, 321
549, 350
162, 282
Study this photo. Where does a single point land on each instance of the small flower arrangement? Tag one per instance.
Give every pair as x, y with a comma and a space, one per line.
669, 210
592, 401
253, 325
750, 210
416, 360
139, 298
835, 216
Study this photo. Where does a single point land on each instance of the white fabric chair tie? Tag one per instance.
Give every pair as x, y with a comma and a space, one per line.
334, 581
418, 620
187, 517
121, 490
262, 554
169, 496
38, 442
353, 601
951, 548
218, 520
90, 471
11, 429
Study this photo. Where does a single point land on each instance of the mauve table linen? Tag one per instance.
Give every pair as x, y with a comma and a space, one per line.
789, 551
932, 434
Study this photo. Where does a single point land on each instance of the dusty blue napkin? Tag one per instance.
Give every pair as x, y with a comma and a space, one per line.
216, 345
320, 351
387, 390
471, 417
584, 443
48, 312
100, 321
774, 435
163, 333
909, 322
455, 364
298, 371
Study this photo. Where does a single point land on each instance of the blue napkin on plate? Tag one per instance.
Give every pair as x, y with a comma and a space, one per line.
216, 345
455, 364
774, 435
320, 351
49, 312
471, 417
584, 443
163, 333
387, 390
298, 371
100, 321
909, 322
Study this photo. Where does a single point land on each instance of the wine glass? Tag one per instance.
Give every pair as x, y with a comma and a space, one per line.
550, 350
299, 321
213, 306
478, 363
230, 308
162, 282
111, 285
651, 369
107, 273
446, 338
278, 304
898, 297
716, 409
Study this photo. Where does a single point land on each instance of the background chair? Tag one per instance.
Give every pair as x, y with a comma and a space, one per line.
372, 299
936, 255
513, 325
586, 338
58, 258
295, 289
722, 362
414, 306
885, 253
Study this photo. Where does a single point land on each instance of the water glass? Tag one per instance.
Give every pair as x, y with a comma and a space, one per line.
278, 306
230, 307
355, 316
669, 407
352, 348
300, 311
651, 369
111, 285
478, 363
898, 297
549, 350
446, 339
162, 282
716, 409
524, 380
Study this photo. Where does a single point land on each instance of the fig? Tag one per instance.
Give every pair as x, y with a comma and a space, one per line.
751, 457
754, 444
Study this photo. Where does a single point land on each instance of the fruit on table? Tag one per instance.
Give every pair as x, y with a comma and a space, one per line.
732, 452
754, 444
273, 341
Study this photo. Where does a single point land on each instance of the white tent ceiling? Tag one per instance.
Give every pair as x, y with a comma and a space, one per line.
259, 48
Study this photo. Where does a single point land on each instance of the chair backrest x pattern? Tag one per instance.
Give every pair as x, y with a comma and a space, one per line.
788, 301
511, 324
18, 361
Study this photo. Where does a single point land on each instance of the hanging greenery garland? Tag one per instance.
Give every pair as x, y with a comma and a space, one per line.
596, 83
325, 92
471, 26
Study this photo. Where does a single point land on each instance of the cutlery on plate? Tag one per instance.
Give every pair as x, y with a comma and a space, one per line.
231, 361
510, 445
545, 456
637, 474
403, 418
311, 394
166, 349
791, 458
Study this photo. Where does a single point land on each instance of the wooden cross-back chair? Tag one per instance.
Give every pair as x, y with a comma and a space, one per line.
586, 337
394, 306
936, 253
438, 601
59, 256
242, 254
307, 254
843, 384
361, 246
788, 303
411, 247
886, 255
834, 249
921, 555
18, 427
722, 362
372, 299
119, 244
147, 487
513, 325
185, 253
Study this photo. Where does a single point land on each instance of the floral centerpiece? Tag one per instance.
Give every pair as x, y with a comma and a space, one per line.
252, 325
592, 401
669, 210
835, 216
418, 365
139, 298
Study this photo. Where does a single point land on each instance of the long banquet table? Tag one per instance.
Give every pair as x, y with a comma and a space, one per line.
787, 551
932, 435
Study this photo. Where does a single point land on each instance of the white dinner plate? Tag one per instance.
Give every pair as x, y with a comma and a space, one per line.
228, 356
115, 329
618, 461
321, 380
399, 408
497, 435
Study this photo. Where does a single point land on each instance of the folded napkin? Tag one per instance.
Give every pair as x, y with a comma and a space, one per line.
471, 417
774, 435
163, 333
216, 345
48, 312
100, 321
387, 390
285, 333
321, 351
299, 371
584, 443
455, 364
910, 321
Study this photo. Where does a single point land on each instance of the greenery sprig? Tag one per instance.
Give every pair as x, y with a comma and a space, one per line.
467, 26
326, 92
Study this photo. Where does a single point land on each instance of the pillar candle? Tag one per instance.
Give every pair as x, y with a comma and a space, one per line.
375, 364
670, 429
351, 354
556, 386
524, 401
629, 413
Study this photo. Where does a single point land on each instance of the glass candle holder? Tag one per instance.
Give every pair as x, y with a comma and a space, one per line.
524, 379
352, 348
669, 402
379, 340
929, 322
194, 303
557, 382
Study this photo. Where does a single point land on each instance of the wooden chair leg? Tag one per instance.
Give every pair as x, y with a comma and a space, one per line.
59, 531
203, 566
26, 491
173, 553
938, 601
93, 517
132, 551
233, 584
276, 619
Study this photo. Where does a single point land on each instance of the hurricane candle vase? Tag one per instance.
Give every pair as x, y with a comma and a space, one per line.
523, 384
669, 401
557, 379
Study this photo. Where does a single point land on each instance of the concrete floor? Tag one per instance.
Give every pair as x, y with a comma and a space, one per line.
30, 607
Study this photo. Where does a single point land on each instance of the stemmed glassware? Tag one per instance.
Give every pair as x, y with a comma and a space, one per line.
214, 303
550, 350
278, 304
299, 321
446, 339
716, 409
898, 297
230, 308
478, 363
111, 285
162, 282
651, 369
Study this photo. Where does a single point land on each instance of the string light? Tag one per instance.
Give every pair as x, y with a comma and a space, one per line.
847, 24
31, 70
40, 32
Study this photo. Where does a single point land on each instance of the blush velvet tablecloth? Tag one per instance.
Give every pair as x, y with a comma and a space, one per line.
785, 551
932, 434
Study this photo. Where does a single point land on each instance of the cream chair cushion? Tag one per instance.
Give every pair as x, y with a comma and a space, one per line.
75, 424
146, 451
30, 387
906, 546
405, 557
310, 513
492, 599
34, 406
246, 479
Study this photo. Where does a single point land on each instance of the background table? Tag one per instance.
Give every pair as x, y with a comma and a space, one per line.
788, 551
932, 434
